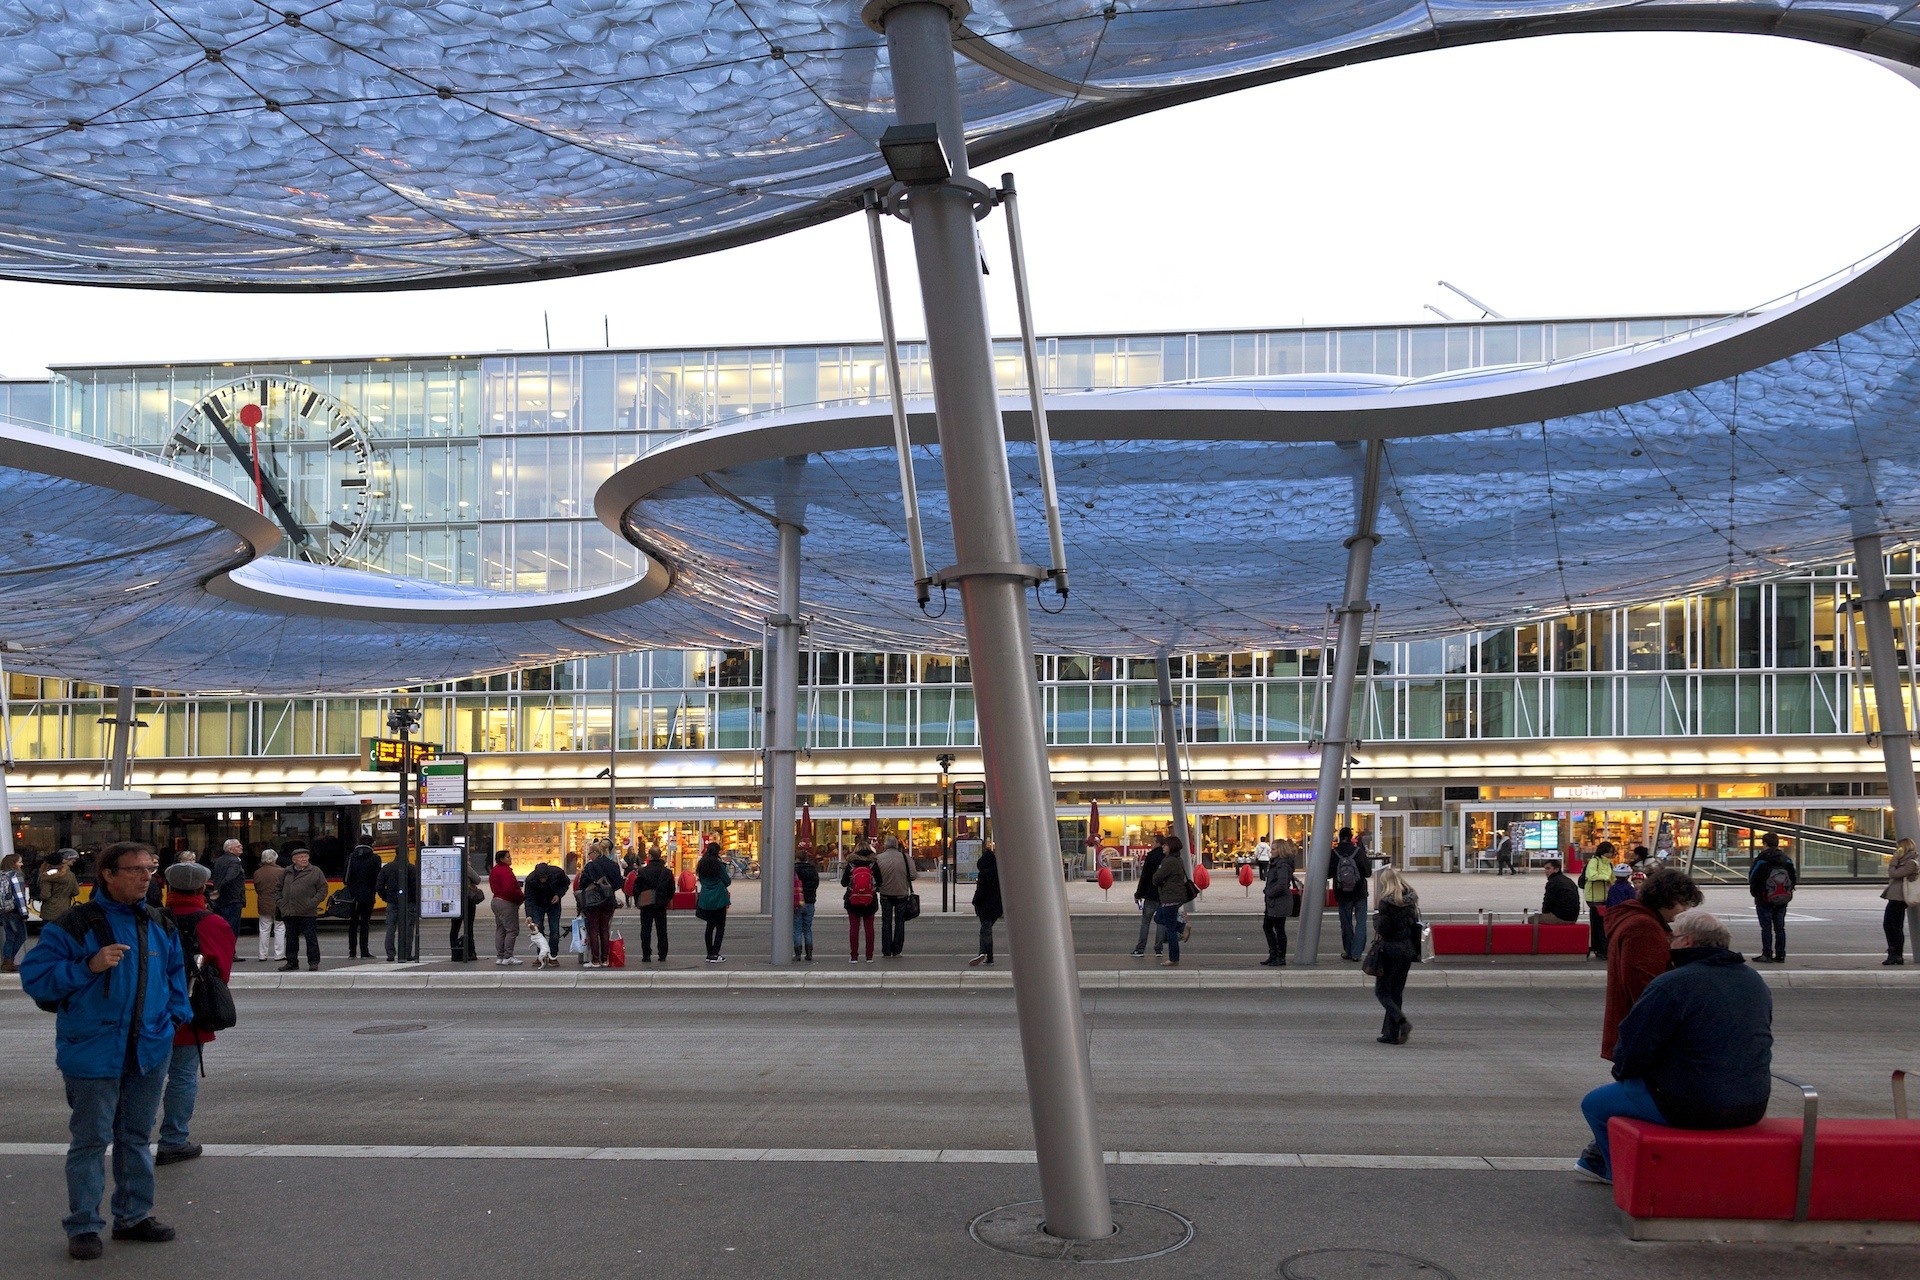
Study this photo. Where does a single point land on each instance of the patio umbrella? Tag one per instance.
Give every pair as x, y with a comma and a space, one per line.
804, 841
873, 822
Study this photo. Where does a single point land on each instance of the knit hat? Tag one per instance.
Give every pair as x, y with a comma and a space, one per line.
188, 877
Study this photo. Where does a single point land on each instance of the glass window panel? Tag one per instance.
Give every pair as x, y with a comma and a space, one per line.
1717, 631
1425, 717
1570, 707
1750, 627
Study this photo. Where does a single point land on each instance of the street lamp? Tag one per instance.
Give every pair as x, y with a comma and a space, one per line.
403, 721
945, 761
915, 155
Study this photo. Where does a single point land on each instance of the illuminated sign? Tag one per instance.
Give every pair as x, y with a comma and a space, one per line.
1293, 795
686, 802
390, 755
1589, 791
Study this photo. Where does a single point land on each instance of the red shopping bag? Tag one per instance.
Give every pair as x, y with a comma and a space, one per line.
617, 952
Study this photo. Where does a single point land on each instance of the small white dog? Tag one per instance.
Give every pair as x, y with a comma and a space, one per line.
542, 952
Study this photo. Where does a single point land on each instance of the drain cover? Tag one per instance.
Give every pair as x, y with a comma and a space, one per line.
390, 1029
1140, 1231
1361, 1264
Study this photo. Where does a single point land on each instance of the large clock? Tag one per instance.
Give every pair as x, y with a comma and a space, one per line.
298, 452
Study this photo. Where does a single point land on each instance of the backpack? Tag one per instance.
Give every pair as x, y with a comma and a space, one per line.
1346, 871
207, 993
860, 887
89, 919
1777, 889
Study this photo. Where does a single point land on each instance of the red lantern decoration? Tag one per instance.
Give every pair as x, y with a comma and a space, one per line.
1201, 877
1105, 878
1246, 876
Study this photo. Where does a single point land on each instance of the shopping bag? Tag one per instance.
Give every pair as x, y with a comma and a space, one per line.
1426, 943
616, 952
577, 943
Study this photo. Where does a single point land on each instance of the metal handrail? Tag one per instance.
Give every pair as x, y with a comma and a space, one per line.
1809, 1123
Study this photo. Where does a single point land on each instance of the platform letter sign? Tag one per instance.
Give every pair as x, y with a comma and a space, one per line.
440, 882
443, 784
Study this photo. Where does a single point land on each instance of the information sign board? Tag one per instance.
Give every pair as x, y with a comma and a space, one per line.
440, 888
391, 755
969, 797
443, 783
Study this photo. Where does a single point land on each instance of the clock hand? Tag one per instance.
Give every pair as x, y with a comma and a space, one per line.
268, 489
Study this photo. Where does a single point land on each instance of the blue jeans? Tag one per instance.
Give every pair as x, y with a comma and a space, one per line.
13, 936
1168, 918
1627, 1098
119, 1113
1773, 929
803, 924
547, 921
1353, 927
183, 1088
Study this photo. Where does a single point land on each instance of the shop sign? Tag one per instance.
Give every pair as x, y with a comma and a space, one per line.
1589, 791
686, 802
1293, 795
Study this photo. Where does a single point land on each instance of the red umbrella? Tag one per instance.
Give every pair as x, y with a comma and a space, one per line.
804, 843
1093, 824
873, 822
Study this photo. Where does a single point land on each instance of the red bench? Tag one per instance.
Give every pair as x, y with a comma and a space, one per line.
1510, 939
1836, 1180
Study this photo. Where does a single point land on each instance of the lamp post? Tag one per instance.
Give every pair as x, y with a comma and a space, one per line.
945, 761
403, 720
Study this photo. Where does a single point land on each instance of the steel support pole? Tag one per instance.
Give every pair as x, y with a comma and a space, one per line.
782, 693
993, 584
6, 760
1335, 742
122, 739
1896, 742
1170, 738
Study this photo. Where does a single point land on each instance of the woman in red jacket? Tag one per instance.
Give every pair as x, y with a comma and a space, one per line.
507, 897
208, 939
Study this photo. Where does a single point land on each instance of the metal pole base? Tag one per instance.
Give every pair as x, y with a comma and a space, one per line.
1140, 1231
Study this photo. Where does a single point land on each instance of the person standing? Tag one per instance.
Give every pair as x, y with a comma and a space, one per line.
1560, 903
545, 890
1397, 926
1503, 858
896, 886
363, 891
13, 912
508, 898
1596, 881
713, 898
58, 886
599, 895
266, 904
1902, 896
1624, 889
1771, 880
1147, 897
1638, 944
1171, 881
986, 901
1348, 870
806, 893
205, 938
655, 890
1282, 898
303, 896
227, 891
114, 1041
399, 899
861, 880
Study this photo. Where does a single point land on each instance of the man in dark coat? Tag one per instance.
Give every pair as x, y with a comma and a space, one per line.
1696, 1052
1145, 896
363, 887
1771, 880
986, 901
1560, 904
227, 890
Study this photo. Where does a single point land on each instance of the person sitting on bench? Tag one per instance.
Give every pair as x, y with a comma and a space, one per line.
1695, 1051
1560, 904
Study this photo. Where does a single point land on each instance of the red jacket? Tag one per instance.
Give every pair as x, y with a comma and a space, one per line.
216, 945
505, 885
1638, 951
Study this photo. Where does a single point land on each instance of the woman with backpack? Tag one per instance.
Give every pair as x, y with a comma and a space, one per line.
713, 898
1596, 881
1282, 895
986, 902
861, 880
1396, 932
205, 938
598, 897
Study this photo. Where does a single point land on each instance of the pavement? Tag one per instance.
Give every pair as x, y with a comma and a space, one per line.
472, 1132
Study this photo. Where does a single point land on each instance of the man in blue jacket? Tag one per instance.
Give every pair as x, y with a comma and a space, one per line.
114, 972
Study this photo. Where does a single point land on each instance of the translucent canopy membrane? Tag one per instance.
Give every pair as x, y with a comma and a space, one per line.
386, 143
1229, 542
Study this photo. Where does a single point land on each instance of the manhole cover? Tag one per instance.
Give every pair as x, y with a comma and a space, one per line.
390, 1029
1141, 1231
1361, 1264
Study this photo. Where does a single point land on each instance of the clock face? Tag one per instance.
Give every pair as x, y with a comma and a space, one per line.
301, 454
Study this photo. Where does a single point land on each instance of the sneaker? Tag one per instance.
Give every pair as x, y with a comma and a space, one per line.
174, 1155
513, 960
146, 1231
1588, 1165
86, 1246
1136, 954
978, 960
853, 959
289, 968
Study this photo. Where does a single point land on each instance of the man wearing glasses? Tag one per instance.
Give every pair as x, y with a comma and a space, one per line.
114, 972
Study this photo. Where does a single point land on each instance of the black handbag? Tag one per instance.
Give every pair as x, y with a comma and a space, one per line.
1299, 895
910, 907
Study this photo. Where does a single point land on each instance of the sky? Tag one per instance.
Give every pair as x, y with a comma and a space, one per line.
1576, 175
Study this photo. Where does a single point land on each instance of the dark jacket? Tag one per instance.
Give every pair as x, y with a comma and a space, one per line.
1143, 890
228, 884
266, 889
1562, 898
363, 875
1348, 849
1278, 891
1170, 882
546, 884
986, 887
95, 1030
1701, 1037
655, 876
303, 893
1622, 892
387, 882
1397, 924
846, 882
808, 874
1763, 867
714, 877
604, 870
1637, 942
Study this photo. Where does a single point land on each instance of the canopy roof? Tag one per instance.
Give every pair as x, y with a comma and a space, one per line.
399, 143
